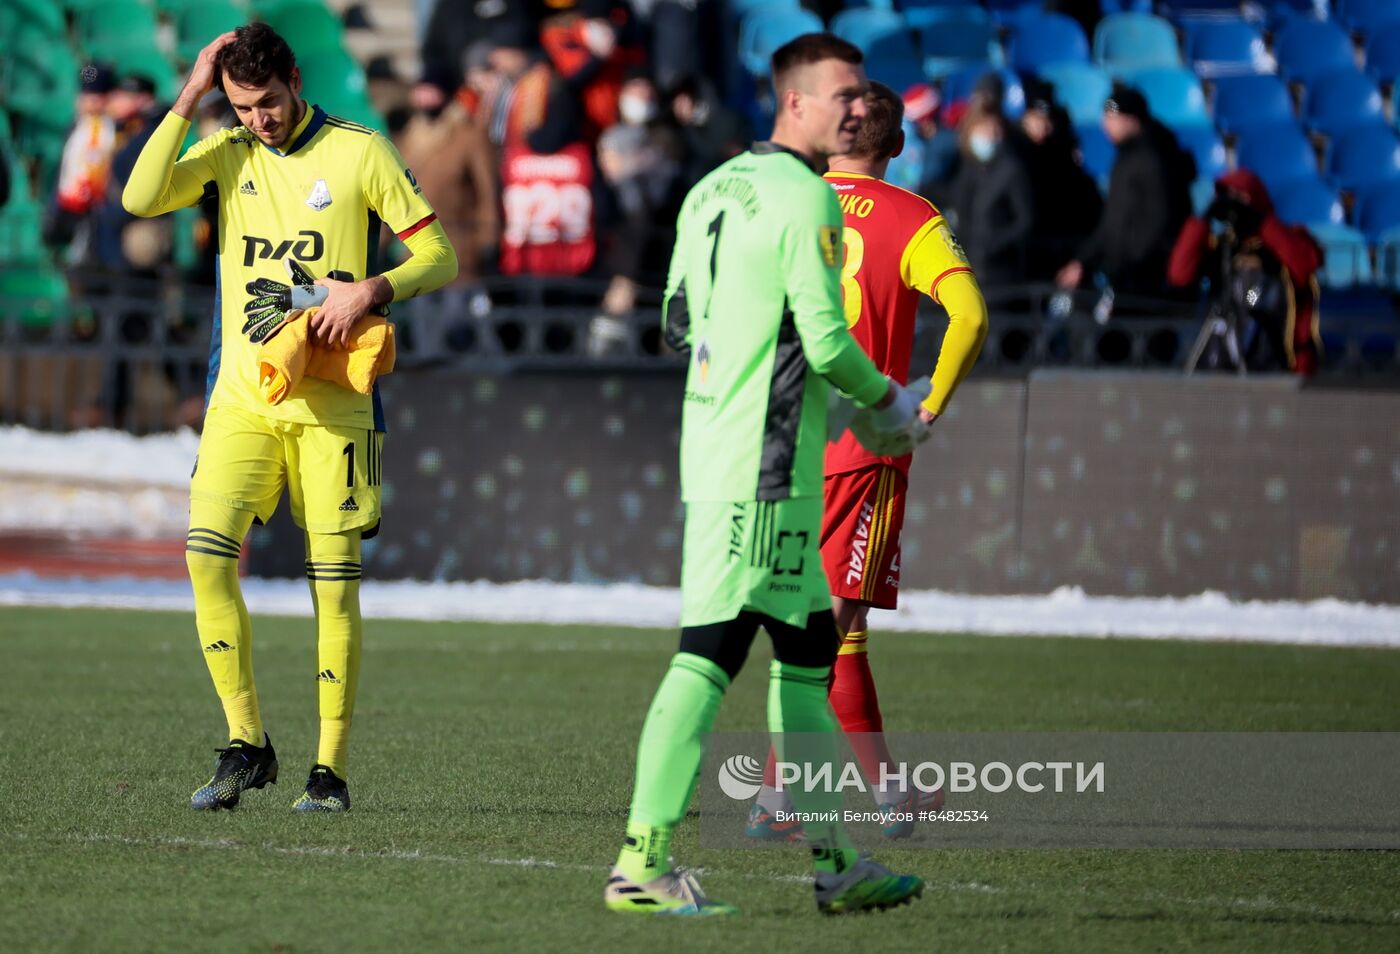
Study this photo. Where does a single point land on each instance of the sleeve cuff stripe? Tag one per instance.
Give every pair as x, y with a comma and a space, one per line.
417, 227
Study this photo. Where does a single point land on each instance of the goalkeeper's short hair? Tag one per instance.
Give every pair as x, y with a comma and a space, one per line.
257, 55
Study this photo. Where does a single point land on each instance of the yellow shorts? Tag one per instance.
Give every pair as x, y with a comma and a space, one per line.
332, 472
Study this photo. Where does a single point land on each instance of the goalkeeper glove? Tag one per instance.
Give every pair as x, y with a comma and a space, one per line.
271, 301
897, 429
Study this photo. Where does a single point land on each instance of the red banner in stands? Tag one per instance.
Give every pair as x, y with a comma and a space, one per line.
548, 203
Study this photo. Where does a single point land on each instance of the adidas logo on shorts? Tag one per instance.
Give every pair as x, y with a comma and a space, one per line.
350, 506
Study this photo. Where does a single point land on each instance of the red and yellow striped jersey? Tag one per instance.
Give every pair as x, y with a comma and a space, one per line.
897, 247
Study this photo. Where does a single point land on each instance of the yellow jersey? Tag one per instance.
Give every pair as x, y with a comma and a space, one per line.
319, 201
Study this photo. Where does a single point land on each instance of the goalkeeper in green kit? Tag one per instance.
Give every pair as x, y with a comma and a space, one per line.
754, 300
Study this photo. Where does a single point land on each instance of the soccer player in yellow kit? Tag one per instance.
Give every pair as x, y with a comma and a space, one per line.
296, 187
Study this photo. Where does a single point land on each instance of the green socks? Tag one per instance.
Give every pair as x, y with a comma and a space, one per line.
668, 761
804, 732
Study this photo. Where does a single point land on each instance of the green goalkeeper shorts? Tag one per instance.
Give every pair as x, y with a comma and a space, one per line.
762, 556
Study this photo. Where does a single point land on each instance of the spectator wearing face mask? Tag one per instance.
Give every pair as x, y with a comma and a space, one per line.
640, 161
710, 133
123, 241
992, 197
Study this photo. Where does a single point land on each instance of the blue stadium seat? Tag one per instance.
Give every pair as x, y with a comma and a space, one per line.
1126, 6
1177, 10
1174, 95
1308, 48
763, 31
1008, 12
1080, 88
909, 6
1366, 15
1346, 257
1277, 154
1388, 257
958, 86
742, 8
864, 25
1205, 146
1364, 157
1202, 194
1308, 201
1039, 39
1098, 152
1383, 53
1135, 41
1227, 48
1378, 209
893, 60
954, 37
1340, 101
1248, 102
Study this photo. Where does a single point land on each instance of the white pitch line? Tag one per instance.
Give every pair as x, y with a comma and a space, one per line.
966, 887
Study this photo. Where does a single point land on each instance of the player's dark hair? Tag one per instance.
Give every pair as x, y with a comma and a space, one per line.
807, 49
256, 55
879, 132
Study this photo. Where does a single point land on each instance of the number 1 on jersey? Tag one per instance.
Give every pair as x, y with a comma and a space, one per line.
716, 226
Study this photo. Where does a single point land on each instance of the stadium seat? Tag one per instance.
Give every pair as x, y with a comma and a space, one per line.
1098, 152
1363, 16
1277, 154
1126, 6
863, 25
1388, 258
1080, 88
1383, 53
951, 38
1346, 257
116, 23
1308, 202
196, 24
1340, 101
1205, 147
1008, 12
1174, 95
1378, 209
742, 8
1248, 102
1135, 41
36, 294
892, 59
1202, 194
1308, 48
1364, 157
1228, 48
1039, 39
958, 86
763, 31
307, 26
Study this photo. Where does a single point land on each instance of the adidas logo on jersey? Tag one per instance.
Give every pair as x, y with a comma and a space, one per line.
325, 675
218, 647
247, 188
350, 506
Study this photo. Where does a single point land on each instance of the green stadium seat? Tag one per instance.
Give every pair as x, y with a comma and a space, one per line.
44, 14
36, 296
196, 26
145, 60
307, 27
115, 25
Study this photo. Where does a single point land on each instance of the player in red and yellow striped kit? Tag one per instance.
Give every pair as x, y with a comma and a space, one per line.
898, 248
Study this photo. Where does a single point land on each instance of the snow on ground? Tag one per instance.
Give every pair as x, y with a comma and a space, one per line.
1065, 612
98, 476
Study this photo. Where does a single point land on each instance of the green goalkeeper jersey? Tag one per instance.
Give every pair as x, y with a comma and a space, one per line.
754, 297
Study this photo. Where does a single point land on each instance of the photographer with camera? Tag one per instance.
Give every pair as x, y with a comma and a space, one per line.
1263, 278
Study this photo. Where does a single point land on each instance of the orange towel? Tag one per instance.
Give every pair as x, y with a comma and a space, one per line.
290, 354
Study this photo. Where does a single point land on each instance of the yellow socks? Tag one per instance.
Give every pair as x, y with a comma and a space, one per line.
225, 633
333, 570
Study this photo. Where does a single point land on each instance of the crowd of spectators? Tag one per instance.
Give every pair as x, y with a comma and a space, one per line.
558, 139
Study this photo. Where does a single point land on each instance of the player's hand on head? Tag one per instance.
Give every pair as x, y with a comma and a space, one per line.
204, 73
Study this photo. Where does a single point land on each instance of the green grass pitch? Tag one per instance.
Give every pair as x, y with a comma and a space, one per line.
491, 767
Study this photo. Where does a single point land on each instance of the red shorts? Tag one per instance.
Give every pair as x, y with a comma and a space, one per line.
861, 521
